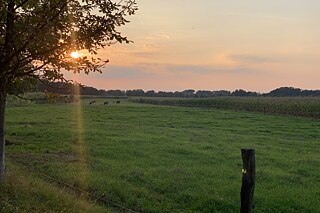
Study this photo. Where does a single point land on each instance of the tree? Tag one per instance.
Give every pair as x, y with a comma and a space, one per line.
188, 93
150, 93
116, 92
221, 93
38, 36
203, 94
285, 92
243, 93
135, 92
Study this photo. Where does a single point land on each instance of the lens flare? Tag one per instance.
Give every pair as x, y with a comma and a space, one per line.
80, 145
75, 54
79, 140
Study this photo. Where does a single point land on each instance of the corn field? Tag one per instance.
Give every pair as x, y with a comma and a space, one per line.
294, 106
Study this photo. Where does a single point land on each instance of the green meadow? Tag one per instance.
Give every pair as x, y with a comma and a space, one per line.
153, 158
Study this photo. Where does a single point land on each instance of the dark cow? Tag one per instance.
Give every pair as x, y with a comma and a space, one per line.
92, 102
106, 103
117, 102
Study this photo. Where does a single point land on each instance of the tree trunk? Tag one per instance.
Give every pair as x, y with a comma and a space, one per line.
4, 67
3, 95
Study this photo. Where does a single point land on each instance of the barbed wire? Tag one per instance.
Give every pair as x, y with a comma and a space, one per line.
74, 188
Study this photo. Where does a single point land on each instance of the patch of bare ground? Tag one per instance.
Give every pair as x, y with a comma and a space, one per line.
29, 159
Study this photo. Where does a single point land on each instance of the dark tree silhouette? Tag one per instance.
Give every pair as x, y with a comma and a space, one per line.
37, 38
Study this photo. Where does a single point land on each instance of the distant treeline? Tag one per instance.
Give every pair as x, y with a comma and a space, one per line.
69, 88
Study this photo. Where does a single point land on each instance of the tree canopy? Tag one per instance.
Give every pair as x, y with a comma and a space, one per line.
37, 38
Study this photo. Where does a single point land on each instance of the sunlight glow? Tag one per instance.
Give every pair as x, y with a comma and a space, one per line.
80, 146
82, 172
74, 54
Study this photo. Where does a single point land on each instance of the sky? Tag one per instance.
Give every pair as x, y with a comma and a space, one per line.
255, 45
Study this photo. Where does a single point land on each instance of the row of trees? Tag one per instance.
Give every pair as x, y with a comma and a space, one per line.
68, 88
292, 92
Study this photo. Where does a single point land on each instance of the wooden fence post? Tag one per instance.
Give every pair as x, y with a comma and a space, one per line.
248, 180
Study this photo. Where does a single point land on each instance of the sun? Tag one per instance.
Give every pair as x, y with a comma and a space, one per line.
74, 54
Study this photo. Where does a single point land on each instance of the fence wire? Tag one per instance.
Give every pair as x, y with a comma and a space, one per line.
90, 194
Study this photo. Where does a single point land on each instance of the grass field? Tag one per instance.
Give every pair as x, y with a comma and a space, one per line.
157, 159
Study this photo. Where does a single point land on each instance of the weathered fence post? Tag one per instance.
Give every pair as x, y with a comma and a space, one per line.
248, 180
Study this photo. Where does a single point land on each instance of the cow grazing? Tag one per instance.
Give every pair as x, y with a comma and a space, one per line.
117, 102
106, 103
92, 102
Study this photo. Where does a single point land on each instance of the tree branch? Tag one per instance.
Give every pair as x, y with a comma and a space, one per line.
43, 82
21, 4
7, 47
31, 37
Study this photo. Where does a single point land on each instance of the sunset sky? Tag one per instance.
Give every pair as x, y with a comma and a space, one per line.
254, 45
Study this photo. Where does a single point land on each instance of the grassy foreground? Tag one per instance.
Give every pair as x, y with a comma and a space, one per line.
24, 192
158, 158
